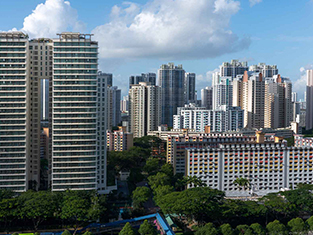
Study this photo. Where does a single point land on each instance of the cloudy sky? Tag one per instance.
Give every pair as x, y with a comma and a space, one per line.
138, 36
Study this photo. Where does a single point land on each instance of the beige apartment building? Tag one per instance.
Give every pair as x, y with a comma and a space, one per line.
144, 108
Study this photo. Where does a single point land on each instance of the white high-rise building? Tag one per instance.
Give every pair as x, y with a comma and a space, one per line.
74, 109
309, 101
124, 104
223, 92
266, 70
234, 68
144, 108
14, 112
224, 118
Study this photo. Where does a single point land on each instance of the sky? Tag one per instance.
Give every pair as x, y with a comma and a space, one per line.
138, 36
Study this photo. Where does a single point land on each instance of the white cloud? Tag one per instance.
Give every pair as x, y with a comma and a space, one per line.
50, 18
299, 85
253, 2
170, 29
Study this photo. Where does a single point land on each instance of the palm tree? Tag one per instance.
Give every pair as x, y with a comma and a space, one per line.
242, 183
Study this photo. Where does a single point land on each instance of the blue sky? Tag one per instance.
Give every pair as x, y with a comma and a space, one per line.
140, 35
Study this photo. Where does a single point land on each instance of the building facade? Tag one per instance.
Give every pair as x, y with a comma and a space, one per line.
309, 101
119, 140
207, 98
234, 68
115, 105
190, 88
223, 119
171, 80
269, 166
253, 101
14, 112
144, 77
144, 108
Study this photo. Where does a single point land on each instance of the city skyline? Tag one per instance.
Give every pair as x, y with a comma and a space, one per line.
277, 44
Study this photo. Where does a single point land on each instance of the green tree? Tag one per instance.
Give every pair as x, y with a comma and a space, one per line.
309, 223
127, 230
278, 206
37, 206
87, 233
276, 228
257, 229
140, 196
152, 166
201, 204
208, 229
297, 226
161, 191
66, 232
243, 229
301, 198
78, 209
160, 179
242, 183
226, 229
168, 170
8, 211
147, 229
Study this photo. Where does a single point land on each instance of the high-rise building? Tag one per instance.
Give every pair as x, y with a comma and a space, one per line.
144, 77
207, 97
266, 70
115, 107
309, 101
14, 112
144, 108
74, 120
278, 106
171, 80
253, 101
223, 92
59, 75
104, 83
124, 104
234, 68
190, 88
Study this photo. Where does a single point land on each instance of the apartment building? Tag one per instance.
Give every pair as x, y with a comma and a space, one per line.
222, 119
144, 108
15, 164
269, 166
119, 140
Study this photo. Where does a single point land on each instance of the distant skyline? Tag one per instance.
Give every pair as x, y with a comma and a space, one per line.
140, 35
